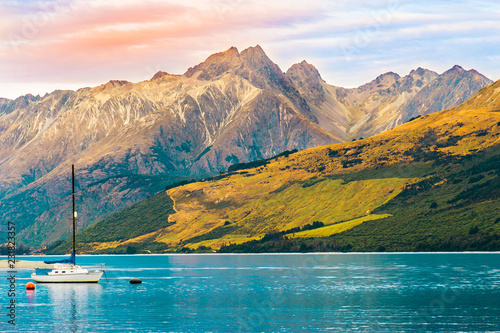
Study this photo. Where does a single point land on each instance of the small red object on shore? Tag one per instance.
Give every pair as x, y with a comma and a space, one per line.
30, 286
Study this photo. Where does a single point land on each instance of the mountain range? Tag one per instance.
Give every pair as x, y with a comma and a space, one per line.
131, 140
431, 184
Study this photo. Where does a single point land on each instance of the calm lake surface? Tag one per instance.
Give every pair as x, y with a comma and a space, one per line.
425, 292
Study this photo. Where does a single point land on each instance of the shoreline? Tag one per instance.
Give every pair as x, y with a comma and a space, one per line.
20, 264
4, 261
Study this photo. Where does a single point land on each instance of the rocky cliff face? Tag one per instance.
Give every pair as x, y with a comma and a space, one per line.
234, 107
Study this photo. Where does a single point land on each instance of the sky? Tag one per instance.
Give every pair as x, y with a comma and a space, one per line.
69, 44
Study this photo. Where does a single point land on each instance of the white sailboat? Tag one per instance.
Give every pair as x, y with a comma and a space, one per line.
66, 270
67, 273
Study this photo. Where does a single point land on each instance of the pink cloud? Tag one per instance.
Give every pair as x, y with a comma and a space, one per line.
79, 41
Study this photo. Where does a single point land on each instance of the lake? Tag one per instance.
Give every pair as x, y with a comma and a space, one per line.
403, 292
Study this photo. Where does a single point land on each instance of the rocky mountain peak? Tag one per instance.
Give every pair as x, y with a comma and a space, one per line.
417, 78
261, 72
8, 105
303, 70
255, 58
255, 53
457, 68
228, 56
258, 69
307, 80
460, 72
216, 64
252, 64
231, 51
111, 85
471, 73
420, 72
159, 75
382, 81
387, 78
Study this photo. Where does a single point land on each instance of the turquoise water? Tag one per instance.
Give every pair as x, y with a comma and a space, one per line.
448, 292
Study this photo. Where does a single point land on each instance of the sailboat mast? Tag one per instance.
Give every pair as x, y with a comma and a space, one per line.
74, 211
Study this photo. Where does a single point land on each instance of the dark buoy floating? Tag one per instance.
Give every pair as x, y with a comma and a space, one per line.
135, 281
30, 286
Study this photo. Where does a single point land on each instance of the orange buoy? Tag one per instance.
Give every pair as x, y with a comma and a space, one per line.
30, 286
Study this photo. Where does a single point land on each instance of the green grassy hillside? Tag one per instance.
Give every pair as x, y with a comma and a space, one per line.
454, 208
138, 220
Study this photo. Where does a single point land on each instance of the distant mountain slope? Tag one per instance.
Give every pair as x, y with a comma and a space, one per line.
451, 88
234, 107
386, 102
429, 184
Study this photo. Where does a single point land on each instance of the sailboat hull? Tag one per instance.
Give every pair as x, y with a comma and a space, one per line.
90, 277
62, 273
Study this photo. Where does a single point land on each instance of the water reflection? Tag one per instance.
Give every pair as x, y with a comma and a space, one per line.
30, 295
72, 303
